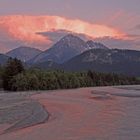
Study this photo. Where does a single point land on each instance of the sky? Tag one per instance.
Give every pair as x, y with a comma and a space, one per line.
41, 23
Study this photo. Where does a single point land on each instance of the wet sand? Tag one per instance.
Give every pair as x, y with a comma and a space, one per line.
102, 113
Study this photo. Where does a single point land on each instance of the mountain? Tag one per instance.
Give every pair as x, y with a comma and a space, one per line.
3, 59
95, 45
68, 47
106, 60
23, 53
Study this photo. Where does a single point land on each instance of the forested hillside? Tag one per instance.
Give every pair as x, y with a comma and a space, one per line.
15, 78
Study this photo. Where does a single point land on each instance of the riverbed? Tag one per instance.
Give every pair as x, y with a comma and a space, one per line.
98, 113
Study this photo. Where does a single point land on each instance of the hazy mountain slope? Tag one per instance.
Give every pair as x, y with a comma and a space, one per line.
119, 61
48, 65
3, 59
23, 53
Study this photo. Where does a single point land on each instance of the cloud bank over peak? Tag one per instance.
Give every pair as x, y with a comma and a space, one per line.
28, 25
42, 31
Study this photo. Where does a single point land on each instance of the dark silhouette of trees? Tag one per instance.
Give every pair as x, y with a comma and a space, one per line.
15, 78
12, 68
50, 80
1, 74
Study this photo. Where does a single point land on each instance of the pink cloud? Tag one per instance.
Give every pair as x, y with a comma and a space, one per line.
24, 28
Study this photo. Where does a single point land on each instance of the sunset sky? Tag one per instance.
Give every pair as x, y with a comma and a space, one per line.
40, 23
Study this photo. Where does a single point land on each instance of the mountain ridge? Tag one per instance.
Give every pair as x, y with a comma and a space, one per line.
71, 53
112, 60
23, 53
66, 48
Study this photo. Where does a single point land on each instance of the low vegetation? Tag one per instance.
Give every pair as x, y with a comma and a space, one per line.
15, 78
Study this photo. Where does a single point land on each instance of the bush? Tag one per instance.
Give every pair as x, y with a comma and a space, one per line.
24, 81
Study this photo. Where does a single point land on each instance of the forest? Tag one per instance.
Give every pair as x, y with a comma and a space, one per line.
14, 77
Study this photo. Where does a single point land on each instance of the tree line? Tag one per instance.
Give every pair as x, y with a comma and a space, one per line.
14, 77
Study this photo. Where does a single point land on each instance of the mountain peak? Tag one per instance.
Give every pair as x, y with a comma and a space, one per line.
66, 48
71, 41
71, 38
